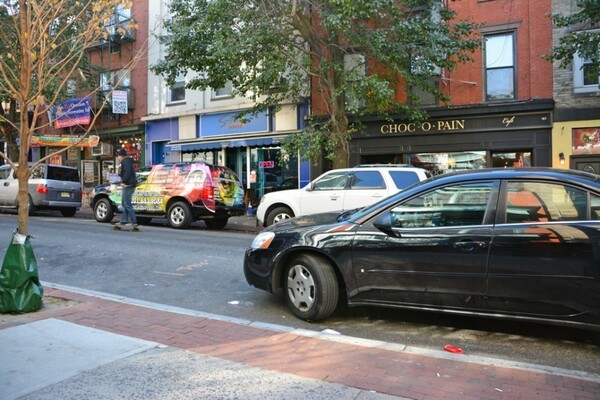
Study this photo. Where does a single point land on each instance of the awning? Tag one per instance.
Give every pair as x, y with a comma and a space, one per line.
187, 146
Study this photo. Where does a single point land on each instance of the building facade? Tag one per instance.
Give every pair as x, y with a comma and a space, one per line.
194, 125
501, 111
576, 131
120, 66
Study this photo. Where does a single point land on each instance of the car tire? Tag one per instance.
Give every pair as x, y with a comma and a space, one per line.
68, 212
216, 223
103, 210
279, 214
311, 287
179, 215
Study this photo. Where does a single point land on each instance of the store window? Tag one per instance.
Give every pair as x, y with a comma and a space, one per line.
512, 159
271, 169
500, 67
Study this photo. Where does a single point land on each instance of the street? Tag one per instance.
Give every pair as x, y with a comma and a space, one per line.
200, 269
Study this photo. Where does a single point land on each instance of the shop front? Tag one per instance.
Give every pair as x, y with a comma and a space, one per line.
251, 147
461, 138
102, 160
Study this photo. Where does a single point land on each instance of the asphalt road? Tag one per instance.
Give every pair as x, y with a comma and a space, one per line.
201, 270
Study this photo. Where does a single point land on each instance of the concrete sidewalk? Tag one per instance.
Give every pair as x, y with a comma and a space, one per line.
96, 346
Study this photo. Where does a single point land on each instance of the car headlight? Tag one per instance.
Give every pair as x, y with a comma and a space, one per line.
263, 240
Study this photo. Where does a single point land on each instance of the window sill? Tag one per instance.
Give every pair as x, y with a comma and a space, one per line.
175, 103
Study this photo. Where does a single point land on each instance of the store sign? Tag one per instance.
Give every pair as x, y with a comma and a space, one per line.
119, 102
64, 141
482, 123
427, 126
72, 113
266, 164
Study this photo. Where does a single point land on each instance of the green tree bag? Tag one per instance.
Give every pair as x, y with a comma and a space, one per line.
20, 288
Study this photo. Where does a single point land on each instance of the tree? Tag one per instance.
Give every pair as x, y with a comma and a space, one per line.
582, 38
356, 57
42, 50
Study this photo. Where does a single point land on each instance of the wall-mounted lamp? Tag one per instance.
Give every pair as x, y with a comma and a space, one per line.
561, 158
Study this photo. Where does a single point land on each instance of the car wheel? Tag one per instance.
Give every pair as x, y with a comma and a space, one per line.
311, 288
279, 214
103, 210
216, 223
68, 212
179, 215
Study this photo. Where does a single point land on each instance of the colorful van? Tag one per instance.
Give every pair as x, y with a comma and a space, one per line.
180, 192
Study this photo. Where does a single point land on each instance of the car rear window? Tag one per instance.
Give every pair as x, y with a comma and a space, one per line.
62, 174
403, 179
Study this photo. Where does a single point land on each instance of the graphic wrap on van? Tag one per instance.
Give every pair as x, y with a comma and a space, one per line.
200, 184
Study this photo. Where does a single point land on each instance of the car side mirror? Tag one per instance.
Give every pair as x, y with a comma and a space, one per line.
309, 187
383, 222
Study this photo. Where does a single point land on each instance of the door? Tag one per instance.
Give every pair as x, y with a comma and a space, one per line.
437, 253
9, 187
326, 193
545, 256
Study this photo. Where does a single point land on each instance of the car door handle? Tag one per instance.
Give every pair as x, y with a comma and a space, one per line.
6, 184
470, 245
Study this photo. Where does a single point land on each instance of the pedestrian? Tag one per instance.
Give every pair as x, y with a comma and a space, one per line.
128, 184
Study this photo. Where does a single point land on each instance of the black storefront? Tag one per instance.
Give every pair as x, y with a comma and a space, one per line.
461, 138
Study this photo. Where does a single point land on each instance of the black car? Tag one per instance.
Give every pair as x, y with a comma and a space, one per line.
507, 243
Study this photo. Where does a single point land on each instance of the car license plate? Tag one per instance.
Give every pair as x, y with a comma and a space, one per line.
65, 194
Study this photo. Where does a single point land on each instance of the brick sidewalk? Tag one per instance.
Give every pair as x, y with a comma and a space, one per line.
393, 372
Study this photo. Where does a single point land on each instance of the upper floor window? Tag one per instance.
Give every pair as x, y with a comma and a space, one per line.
585, 80
225, 91
176, 93
118, 79
355, 66
500, 66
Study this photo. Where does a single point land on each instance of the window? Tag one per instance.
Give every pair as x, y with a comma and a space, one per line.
333, 181
225, 91
367, 180
584, 78
354, 65
500, 67
542, 202
117, 79
404, 179
176, 93
458, 205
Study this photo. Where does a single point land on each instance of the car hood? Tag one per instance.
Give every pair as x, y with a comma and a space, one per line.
305, 221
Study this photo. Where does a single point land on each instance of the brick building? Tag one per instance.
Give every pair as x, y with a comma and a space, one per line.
501, 103
576, 130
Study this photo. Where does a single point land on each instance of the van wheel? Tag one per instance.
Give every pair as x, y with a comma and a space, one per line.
103, 211
311, 287
216, 223
179, 215
278, 214
68, 212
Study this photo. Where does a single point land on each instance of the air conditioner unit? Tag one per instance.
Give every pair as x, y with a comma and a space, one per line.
103, 149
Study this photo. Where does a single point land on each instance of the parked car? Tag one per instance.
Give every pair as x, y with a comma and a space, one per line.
181, 192
519, 244
50, 187
337, 190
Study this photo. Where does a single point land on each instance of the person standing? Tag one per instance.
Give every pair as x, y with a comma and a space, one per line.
128, 184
